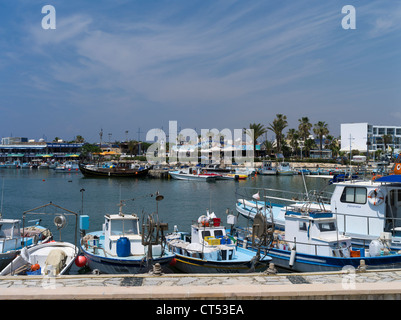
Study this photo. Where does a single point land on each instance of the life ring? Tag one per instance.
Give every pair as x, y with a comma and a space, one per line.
376, 197
203, 220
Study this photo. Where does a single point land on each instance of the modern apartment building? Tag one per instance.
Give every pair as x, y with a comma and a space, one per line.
369, 137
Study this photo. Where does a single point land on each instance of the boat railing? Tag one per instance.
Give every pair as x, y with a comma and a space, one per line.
244, 237
99, 248
286, 197
368, 225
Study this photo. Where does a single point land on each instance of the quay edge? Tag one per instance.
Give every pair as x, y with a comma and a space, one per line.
371, 285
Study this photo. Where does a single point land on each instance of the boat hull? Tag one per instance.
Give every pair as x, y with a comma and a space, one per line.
115, 265
6, 258
313, 263
112, 172
190, 177
195, 265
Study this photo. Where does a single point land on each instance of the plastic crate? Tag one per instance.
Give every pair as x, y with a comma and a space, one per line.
212, 241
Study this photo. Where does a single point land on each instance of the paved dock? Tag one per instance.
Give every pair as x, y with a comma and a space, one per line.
348, 284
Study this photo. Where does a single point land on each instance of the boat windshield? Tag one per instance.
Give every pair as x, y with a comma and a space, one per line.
121, 227
327, 226
7, 230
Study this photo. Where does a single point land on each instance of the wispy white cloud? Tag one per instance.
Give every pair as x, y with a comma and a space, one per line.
218, 55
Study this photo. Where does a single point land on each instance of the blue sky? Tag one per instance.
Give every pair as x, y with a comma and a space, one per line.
124, 65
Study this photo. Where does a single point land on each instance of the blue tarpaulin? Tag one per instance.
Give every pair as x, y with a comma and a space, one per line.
394, 178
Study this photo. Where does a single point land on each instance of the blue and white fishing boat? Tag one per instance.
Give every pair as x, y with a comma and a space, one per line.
120, 248
311, 242
13, 238
193, 174
284, 168
68, 166
209, 249
267, 168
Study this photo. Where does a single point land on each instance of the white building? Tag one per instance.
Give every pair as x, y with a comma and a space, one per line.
360, 136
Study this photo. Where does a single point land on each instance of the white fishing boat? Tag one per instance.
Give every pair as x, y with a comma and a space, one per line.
284, 168
193, 174
311, 242
209, 249
267, 168
364, 208
51, 258
121, 248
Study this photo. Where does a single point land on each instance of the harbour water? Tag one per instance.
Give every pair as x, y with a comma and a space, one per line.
184, 201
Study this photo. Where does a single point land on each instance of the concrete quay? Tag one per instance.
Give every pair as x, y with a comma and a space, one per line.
383, 284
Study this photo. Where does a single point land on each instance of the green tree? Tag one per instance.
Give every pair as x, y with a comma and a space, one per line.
79, 139
293, 136
258, 131
277, 127
321, 129
304, 128
387, 139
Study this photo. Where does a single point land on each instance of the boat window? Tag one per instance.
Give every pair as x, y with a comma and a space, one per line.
6, 230
120, 227
205, 234
302, 226
327, 226
218, 233
354, 195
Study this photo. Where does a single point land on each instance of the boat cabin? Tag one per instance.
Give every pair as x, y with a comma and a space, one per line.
10, 236
315, 233
118, 226
209, 232
365, 209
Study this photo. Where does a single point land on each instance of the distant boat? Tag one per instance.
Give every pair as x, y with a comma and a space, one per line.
267, 168
67, 166
209, 249
284, 168
119, 170
193, 174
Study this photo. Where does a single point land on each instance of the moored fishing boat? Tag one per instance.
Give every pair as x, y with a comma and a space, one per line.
119, 170
46, 258
284, 168
311, 242
267, 168
13, 238
121, 248
209, 249
193, 174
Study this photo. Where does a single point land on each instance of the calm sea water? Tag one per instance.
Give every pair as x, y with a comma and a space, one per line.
184, 201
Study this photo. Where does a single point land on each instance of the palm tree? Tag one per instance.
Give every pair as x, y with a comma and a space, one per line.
268, 146
258, 130
309, 145
333, 145
278, 125
304, 128
293, 136
387, 139
321, 129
